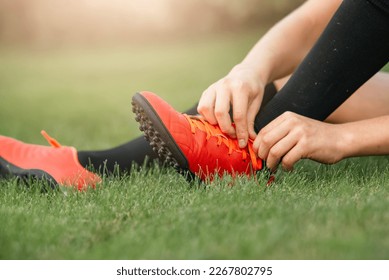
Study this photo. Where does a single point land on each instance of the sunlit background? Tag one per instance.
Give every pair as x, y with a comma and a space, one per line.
64, 22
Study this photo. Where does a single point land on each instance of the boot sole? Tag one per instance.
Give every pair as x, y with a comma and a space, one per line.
159, 137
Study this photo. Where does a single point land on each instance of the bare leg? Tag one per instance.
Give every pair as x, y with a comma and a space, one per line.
369, 101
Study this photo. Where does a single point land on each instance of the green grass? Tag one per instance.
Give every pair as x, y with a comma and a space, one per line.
82, 97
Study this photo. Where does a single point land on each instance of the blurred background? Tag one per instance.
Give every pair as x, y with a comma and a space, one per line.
68, 22
71, 66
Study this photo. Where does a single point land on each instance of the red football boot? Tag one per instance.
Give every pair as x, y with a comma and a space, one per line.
189, 143
57, 164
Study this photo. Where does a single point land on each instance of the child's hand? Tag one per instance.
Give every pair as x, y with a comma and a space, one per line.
241, 88
292, 137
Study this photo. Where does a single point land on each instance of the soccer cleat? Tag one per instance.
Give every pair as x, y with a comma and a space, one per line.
56, 164
189, 143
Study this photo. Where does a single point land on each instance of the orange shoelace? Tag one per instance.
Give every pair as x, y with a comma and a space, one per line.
232, 144
54, 143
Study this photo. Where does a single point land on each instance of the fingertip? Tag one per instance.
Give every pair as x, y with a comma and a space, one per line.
232, 134
287, 167
272, 164
262, 153
252, 134
256, 144
207, 114
212, 121
209, 118
273, 170
269, 166
242, 143
243, 138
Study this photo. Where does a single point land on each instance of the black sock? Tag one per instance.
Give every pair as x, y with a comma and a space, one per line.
353, 47
123, 156
137, 150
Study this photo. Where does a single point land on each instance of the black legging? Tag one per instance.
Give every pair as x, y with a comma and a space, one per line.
353, 47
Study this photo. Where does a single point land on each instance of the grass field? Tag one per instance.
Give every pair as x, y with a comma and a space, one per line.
82, 97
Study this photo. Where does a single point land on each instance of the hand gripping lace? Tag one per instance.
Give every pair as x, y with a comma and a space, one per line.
232, 144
